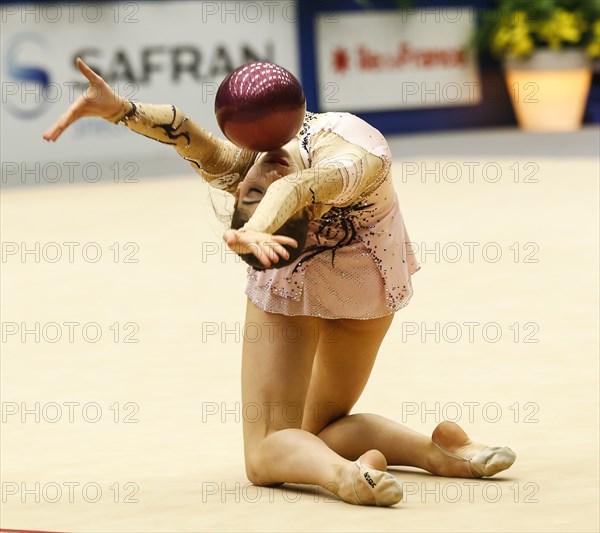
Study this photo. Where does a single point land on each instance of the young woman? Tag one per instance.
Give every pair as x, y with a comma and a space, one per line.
318, 221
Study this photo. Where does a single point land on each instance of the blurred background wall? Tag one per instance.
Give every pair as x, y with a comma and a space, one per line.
403, 71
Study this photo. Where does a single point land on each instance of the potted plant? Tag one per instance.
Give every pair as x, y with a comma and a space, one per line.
547, 48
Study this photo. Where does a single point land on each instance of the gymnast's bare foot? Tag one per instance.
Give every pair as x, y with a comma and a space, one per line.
366, 482
465, 458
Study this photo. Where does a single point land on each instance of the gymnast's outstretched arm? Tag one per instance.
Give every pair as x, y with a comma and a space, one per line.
219, 162
340, 173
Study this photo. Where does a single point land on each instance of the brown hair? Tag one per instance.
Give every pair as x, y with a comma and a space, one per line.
296, 228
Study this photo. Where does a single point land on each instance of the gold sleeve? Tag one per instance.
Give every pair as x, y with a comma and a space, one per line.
291, 193
221, 163
342, 172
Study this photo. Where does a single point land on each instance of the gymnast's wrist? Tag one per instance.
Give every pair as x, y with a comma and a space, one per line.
127, 108
249, 227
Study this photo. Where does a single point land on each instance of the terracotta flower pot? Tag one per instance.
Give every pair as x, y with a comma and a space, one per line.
549, 89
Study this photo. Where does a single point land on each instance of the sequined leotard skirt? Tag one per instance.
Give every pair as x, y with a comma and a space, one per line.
360, 265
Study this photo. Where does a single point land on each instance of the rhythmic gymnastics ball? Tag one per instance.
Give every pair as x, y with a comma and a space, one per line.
260, 106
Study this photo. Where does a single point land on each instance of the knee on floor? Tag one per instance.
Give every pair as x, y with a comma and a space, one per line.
257, 475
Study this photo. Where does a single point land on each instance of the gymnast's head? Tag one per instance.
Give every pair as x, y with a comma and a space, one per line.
268, 168
261, 106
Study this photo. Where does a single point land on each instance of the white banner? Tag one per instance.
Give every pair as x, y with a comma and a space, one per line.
374, 61
158, 52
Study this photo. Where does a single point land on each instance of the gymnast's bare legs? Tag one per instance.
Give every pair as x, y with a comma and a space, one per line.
323, 380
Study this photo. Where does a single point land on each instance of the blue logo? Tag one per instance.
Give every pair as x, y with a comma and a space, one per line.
24, 97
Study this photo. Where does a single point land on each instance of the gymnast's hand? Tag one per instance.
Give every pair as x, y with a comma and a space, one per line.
98, 100
266, 247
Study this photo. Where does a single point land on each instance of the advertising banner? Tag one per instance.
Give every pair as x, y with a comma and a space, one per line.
157, 52
377, 61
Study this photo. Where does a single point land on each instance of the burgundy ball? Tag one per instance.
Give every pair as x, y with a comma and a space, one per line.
260, 106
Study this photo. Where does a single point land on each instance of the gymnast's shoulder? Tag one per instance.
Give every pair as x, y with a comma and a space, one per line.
342, 128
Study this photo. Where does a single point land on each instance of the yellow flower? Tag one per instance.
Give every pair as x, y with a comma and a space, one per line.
516, 35
563, 26
513, 36
522, 47
500, 40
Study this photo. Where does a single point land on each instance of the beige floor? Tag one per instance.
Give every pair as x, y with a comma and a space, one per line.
177, 465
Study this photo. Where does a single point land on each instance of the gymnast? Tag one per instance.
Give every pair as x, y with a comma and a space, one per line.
319, 224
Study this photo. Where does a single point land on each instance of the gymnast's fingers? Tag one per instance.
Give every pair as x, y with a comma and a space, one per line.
271, 254
92, 77
260, 252
267, 251
274, 250
282, 239
279, 250
63, 122
230, 236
